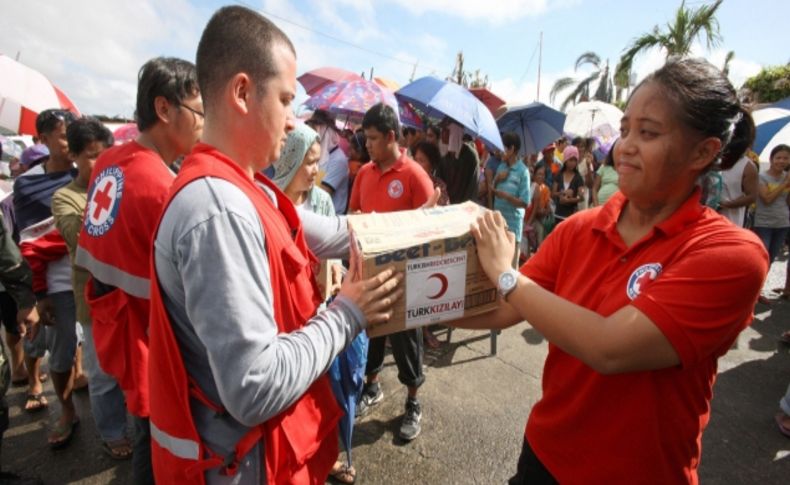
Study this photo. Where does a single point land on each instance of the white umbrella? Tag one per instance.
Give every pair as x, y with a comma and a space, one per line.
25, 92
773, 128
593, 118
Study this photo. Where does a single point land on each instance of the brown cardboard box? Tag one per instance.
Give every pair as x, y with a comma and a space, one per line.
437, 254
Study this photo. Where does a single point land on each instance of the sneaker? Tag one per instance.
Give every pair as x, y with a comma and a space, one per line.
410, 426
371, 395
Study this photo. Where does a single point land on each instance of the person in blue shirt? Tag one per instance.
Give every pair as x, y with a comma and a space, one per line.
512, 188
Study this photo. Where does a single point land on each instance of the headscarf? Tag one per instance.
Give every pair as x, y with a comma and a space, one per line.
299, 141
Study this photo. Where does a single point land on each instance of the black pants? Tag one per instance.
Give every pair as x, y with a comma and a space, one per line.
407, 351
530, 470
142, 470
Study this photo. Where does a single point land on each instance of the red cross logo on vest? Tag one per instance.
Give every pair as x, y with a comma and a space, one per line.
104, 199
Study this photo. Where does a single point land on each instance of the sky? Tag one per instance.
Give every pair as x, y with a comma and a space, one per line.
93, 49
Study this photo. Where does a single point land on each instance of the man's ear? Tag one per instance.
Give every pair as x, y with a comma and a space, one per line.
239, 92
163, 109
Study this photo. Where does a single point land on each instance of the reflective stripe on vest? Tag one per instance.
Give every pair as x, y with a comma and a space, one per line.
180, 447
110, 275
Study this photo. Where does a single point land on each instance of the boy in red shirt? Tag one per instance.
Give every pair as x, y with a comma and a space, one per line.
393, 182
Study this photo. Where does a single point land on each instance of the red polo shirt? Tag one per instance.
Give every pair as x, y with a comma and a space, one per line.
697, 277
403, 186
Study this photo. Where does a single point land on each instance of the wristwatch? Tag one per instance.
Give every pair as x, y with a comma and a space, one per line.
507, 282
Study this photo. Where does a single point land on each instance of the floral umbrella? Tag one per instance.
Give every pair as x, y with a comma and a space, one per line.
350, 98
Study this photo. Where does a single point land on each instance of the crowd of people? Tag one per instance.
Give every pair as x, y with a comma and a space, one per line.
179, 270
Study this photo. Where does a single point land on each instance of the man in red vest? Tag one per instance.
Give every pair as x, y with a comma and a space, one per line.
238, 353
128, 188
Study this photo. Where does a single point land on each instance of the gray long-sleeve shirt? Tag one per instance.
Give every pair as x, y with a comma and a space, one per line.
213, 269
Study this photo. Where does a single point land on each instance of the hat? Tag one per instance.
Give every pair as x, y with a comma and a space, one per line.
321, 117
570, 152
548, 148
33, 154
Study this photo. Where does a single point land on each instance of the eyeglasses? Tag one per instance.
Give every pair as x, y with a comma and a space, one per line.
193, 110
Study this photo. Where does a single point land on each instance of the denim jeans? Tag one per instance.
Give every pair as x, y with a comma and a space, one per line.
107, 401
773, 239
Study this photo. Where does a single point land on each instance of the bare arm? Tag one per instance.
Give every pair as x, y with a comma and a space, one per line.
595, 188
749, 187
626, 341
768, 196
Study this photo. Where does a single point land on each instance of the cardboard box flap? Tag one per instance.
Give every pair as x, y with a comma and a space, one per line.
384, 232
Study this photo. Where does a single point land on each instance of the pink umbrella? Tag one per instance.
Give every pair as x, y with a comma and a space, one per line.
351, 98
125, 133
313, 81
24, 93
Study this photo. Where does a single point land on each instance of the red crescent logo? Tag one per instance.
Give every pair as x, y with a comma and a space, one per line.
443, 280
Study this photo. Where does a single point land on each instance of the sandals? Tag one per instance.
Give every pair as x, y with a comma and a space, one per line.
343, 473
781, 425
120, 449
38, 400
62, 434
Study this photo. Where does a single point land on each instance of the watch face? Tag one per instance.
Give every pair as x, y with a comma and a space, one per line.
507, 280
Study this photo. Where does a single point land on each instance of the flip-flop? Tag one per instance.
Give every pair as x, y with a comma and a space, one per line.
120, 449
39, 399
780, 424
345, 474
65, 433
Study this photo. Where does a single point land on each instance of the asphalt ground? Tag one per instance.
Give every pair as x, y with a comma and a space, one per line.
475, 405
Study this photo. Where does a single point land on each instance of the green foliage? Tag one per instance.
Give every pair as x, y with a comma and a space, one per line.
582, 87
676, 38
770, 85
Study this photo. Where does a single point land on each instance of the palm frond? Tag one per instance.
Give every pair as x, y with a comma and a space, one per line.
560, 85
639, 44
588, 58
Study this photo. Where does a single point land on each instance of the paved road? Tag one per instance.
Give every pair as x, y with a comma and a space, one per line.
475, 406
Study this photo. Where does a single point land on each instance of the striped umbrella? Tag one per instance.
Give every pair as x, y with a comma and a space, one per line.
24, 92
773, 128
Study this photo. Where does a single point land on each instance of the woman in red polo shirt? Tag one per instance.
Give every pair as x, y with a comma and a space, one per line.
638, 319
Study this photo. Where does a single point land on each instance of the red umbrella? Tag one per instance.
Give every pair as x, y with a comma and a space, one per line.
491, 100
313, 81
24, 92
125, 133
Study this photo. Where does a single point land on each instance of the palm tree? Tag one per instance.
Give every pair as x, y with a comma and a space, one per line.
581, 91
677, 38
725, 69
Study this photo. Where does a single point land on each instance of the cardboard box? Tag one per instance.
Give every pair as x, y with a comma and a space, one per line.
438, 256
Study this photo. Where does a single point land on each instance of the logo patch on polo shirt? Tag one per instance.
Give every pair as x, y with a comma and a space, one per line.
395, 189
641, 277
104, 201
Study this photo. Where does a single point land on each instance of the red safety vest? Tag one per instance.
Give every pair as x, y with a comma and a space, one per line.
128, 189
301, 442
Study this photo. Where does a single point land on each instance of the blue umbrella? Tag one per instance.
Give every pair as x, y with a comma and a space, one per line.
347, 375
535, 123
773, 128
437, 99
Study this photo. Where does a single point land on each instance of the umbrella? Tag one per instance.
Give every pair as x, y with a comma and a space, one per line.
593, 118
125, 133
24, 93
346, 376
773, 128
437, 98
409, 117
313, 81
386, 83
10, 148
491, 100
350, 98
536, 124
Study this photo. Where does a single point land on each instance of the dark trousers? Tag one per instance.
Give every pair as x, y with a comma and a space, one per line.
142, 471
407, 351
530, 470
